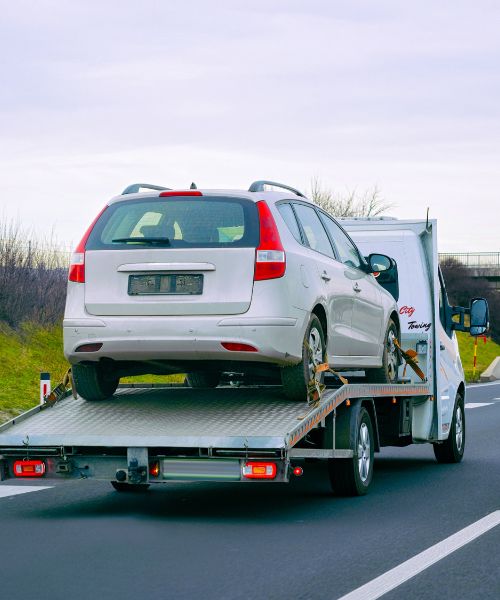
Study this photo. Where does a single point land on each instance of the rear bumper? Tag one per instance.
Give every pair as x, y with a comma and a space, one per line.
278, 339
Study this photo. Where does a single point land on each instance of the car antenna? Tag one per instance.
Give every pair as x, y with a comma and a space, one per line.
193, 186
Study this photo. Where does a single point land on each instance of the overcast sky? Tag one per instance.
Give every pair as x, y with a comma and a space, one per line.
95, 95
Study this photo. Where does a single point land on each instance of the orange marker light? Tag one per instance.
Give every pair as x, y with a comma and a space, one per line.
348, 403
154, 469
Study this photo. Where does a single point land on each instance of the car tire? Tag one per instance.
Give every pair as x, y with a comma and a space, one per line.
121, 486
353, 476
203, 379
92, 382
452, 449
295, 378
391, 359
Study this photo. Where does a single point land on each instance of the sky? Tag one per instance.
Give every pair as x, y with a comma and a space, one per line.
96, 95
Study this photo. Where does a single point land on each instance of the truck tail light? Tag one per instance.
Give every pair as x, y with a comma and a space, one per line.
236, 347
259, 470
270, 259
29, 468
77, 266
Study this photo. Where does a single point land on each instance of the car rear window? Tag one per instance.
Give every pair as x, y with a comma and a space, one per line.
177, 222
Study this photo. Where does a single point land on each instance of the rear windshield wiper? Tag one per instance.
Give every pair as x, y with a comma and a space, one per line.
143, 240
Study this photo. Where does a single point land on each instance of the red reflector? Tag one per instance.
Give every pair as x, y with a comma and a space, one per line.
29, 468
259, 470
298, 471
235, 347
89, 348
181, 193
270, 261
154, 469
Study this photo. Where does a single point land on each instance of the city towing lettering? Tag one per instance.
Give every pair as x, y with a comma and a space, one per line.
413, 325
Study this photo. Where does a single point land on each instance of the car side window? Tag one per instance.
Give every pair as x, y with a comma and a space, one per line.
288, 215
315, 233
347, 251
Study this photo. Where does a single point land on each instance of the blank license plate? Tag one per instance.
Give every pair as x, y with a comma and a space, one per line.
146, 285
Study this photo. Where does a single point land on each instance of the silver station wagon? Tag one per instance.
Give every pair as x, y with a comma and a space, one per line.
205, 282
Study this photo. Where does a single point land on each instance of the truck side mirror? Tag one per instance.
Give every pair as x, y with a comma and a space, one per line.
479, 316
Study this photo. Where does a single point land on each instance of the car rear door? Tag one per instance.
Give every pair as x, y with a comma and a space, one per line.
172, 256
334, 285
368, 312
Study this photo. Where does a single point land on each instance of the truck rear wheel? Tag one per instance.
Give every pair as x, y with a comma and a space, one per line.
452, 449
92, 382
352, 476
203, 379
388, 372
295, 378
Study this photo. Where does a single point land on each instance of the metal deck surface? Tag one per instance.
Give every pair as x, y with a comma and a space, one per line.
178, 417
246, 417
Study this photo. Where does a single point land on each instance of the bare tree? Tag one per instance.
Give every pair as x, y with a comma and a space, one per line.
33, 276
369, 204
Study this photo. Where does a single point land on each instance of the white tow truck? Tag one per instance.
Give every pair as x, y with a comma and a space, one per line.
160, 434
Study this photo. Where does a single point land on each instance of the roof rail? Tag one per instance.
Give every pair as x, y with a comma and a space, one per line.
258, 186
135, 187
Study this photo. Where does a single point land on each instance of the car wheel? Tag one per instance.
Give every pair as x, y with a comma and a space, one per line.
352, 476
92, 382
121, 486
388, 372
452, 449
295, 378
203, 379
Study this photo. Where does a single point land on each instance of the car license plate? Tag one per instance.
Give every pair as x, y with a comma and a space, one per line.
146, 285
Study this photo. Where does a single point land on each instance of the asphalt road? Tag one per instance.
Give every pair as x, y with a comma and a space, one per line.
81, 539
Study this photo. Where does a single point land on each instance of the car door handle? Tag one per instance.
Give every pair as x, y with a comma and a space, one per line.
356, 287
441, 346
325, 276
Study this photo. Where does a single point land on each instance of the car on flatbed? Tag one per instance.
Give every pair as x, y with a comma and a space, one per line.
205, 282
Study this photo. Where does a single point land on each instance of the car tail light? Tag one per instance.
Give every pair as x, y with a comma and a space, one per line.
154, 469
237, 347
29, 468
181, 193
259, 470
77, 266
270, 260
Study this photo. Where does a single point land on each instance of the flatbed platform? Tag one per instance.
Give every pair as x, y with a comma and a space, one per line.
232, 418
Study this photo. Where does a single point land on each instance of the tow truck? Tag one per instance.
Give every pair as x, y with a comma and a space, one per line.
159, 434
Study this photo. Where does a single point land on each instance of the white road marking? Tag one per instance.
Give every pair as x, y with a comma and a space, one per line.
14, 490
395, 577
477, 404
486, 384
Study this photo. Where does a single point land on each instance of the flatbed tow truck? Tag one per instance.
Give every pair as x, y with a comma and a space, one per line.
150, 436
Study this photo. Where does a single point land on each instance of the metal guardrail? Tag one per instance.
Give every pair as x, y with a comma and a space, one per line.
485, 260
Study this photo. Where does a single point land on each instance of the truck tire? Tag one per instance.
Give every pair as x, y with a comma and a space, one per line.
121, 486
203, 379
92, 382
452, 449
295, 378
388, 372
352, 476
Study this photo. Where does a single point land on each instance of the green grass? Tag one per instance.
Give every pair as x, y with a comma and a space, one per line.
25, 353
29, 351
485, 354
